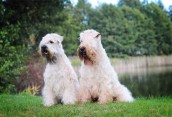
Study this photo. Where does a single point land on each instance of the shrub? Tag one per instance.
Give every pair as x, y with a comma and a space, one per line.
31, 90
33, 74
11, 57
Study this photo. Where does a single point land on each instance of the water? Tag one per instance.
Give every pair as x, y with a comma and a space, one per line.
150, 82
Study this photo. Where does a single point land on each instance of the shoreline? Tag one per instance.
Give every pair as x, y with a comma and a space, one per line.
133, 64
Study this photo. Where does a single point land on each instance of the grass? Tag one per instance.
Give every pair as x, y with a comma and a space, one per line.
31, 106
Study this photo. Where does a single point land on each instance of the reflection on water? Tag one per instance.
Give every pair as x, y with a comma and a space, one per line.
155, 81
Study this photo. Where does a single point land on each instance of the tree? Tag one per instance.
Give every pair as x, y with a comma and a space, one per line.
160, 4
76, 21
82, 10
18, 20
170, 12
125, 30
36, 17
130, 3
12, 51
107, 20
163, 28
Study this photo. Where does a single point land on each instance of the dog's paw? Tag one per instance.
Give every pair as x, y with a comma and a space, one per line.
102, 101
48, 104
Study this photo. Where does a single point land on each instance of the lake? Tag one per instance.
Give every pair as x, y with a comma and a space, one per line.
148, 82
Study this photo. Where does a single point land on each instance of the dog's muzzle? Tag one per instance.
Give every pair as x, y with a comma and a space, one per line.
44, 50
82, 52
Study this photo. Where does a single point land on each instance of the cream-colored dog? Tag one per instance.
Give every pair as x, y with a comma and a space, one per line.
60, 80
98, 79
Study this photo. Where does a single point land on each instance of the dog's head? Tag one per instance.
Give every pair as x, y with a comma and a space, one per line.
50, 46
90, 42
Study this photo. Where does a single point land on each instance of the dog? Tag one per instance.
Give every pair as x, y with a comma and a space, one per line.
61, 84
98, 81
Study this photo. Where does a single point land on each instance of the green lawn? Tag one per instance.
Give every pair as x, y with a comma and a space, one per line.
31, 106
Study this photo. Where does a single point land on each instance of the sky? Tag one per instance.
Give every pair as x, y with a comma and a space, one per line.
95, 3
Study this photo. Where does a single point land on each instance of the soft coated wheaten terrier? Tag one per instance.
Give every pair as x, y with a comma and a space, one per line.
98, 79
60, 80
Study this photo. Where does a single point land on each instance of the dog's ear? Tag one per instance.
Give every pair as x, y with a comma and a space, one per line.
98, 36
61, 38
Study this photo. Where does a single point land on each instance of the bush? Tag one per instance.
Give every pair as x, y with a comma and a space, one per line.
12, 55
33, 74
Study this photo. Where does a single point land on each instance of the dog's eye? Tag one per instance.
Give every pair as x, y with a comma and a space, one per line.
51, 42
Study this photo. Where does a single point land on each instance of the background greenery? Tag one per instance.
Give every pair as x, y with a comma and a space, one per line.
131, 28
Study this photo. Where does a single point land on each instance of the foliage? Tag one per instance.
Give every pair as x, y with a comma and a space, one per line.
24, 105
163, 28
23, 24
170, 12
124, 32
32, 75
74, 24
11, 58
31, 90
12, 51
131, 28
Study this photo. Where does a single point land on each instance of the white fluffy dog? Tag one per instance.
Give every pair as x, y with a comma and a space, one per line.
60, 80
98, 79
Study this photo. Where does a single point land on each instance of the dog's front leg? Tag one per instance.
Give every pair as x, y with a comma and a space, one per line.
105, 97
48, 96
84, 95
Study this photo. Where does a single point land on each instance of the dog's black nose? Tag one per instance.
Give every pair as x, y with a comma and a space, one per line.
82, 49
44, 48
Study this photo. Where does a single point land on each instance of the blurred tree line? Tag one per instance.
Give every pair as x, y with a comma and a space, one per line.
131, 28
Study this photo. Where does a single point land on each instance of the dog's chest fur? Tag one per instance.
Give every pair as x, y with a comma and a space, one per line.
98, 77
55, 77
